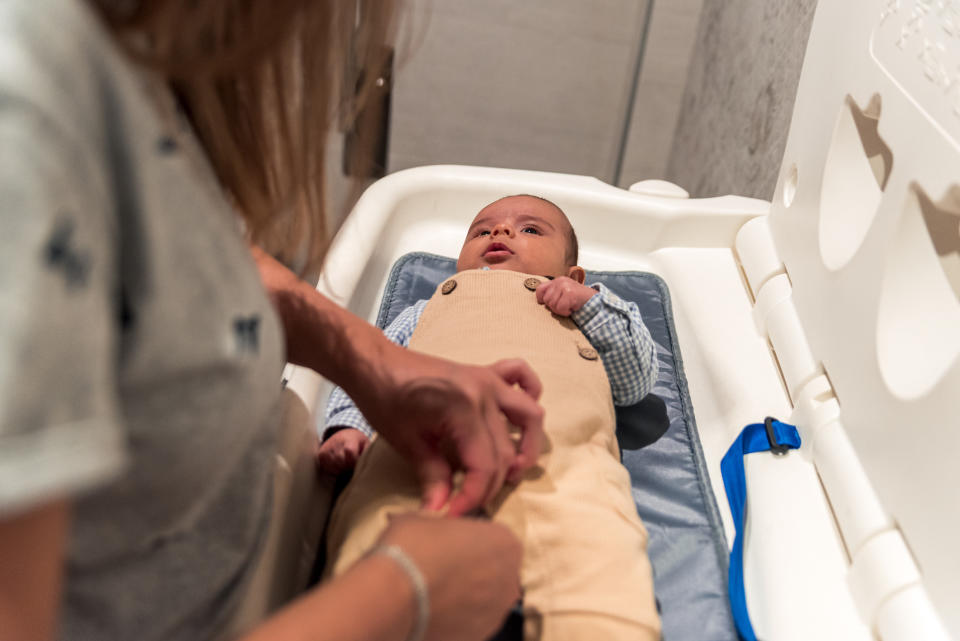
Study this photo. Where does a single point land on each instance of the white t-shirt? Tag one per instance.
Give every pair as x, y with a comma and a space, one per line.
140, 360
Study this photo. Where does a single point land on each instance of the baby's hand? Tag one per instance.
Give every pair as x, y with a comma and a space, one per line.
563, 295
340, 452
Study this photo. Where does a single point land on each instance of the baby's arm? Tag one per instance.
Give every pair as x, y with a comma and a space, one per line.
615, 329
346, 432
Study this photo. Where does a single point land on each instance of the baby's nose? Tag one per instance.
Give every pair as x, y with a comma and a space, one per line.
502, 229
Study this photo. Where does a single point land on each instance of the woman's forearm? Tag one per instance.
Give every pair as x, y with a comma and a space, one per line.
319, 333
327, 338
32, 549
373, 601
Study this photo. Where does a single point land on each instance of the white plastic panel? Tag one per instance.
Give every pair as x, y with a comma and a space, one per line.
797, 363
814, 408
869, 238
794, 574
919, 283
881, 568
858, 512
774, 293
757, 253
908, 616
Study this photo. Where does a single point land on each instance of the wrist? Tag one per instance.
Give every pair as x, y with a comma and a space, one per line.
589, 308
373, 600
417, 585
402, 605
586, 293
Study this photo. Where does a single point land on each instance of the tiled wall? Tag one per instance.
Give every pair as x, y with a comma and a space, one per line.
742, 83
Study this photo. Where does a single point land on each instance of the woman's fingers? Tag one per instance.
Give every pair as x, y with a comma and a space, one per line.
447, 417
514, 371
434, 474
479, 462
486, 454
520, 409
472, 493
505, 449
527, 416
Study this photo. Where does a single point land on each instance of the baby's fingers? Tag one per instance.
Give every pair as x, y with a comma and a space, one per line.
515, 371
562, 308
331, 461
352, 451
544, 289
551, 297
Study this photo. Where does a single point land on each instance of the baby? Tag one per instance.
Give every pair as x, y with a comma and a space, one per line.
519, 293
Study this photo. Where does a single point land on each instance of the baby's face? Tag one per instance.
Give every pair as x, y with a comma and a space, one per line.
519, 233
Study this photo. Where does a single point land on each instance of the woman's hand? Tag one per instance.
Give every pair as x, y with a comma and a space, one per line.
472, 573
471, 568
442, 416
445, 417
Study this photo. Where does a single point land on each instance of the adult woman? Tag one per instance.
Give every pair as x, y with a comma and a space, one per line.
140, 357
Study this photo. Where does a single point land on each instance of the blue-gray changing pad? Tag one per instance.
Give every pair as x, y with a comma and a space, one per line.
661, 449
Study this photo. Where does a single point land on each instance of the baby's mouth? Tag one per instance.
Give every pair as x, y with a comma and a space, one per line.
497, 250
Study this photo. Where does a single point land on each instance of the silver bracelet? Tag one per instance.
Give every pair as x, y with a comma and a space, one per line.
419, 584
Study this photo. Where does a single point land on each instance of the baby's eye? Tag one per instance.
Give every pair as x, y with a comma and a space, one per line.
483, 232
530, 230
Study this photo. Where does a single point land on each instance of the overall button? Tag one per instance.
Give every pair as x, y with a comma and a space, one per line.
531, 284
448, 287
589, 353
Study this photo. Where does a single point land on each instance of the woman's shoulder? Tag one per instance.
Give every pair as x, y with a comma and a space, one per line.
55, 63
72, 21
48, 35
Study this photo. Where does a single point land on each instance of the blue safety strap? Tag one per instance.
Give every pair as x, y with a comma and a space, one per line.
758, 437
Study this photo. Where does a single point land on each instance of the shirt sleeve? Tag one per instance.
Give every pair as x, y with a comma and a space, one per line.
615, 329
342, 412
59, 426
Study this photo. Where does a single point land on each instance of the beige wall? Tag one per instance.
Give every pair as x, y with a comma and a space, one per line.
670, 44
538, 84
545, 84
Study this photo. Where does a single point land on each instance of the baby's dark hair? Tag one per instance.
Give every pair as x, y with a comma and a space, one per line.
573, 246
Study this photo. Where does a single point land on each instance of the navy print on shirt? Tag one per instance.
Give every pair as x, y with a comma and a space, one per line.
166, 145
60, 254
247, 332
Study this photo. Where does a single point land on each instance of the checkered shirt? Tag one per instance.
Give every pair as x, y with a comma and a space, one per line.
612, 325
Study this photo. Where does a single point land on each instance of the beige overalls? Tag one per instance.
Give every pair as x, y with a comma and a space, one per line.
585, 574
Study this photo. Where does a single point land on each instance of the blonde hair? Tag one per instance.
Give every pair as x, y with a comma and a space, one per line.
262, 82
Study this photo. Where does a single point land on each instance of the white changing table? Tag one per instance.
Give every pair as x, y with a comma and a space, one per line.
836, 307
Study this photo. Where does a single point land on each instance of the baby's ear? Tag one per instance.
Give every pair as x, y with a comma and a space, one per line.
576, 273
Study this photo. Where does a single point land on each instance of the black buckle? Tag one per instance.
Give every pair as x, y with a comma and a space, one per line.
777, 448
